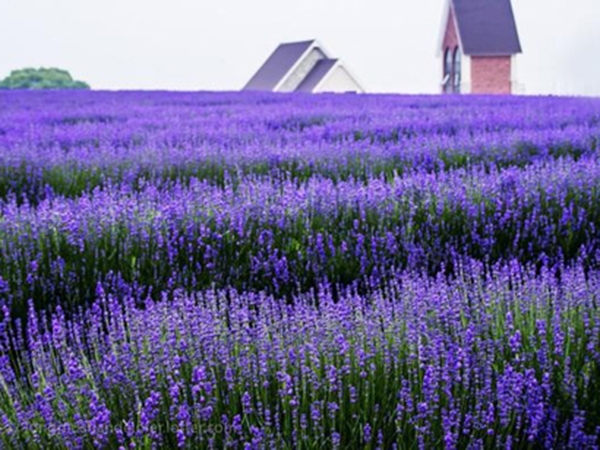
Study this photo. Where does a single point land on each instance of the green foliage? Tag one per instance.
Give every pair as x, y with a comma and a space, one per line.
42, 78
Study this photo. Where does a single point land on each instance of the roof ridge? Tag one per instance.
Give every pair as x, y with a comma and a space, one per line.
309, 41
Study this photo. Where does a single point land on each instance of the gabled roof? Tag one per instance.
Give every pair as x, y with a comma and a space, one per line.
275, 68
486, 27
316, 75
302, 67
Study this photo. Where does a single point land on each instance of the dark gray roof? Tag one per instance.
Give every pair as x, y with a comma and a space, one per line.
279, 63
317, 73
487, 27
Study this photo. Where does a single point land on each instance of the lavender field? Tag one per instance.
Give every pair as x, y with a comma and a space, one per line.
226, 270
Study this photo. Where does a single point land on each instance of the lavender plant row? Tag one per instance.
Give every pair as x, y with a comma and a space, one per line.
69, 143
511, 360
286, 237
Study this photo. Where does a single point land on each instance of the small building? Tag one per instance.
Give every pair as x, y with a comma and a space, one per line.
478, 46
303, 67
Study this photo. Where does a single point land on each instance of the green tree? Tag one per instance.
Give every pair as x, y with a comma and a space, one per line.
42, 78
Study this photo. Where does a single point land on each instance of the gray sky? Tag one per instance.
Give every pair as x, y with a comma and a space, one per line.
390, 45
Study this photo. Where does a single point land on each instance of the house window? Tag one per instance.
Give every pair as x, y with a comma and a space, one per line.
447, 82
457, 71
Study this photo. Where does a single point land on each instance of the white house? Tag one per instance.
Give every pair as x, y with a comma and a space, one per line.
303, 67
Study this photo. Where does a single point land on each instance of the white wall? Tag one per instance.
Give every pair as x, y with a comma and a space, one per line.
465, 81
338, 80
515, 84
301, 70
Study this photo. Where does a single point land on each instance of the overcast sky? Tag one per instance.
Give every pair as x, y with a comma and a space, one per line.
390, 45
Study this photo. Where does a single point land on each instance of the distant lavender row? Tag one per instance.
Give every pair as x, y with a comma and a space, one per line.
510, 361
287, 237
73, 142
